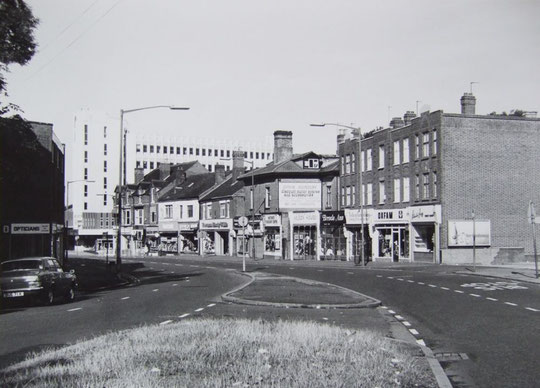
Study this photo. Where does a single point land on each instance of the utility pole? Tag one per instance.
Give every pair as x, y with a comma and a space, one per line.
474, 241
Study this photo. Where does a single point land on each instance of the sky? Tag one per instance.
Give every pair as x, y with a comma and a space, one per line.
247, 68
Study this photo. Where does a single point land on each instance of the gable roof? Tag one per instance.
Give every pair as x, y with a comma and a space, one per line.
227, 188
192, 187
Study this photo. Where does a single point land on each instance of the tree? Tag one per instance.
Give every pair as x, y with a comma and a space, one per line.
17, 44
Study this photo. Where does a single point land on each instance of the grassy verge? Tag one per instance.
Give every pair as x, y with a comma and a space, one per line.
227, 353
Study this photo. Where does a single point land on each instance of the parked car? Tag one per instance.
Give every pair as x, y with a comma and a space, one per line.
39, 278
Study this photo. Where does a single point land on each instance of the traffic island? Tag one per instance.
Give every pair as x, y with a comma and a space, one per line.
285, 291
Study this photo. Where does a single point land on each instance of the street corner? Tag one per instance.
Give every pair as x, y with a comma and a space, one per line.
286, 291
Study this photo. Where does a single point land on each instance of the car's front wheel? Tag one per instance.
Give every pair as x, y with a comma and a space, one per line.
49, 297
70, 296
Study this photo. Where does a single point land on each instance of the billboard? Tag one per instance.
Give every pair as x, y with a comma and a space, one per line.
460, 233
300, 195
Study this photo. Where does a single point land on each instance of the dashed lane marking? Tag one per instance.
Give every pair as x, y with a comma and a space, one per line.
445, 288
184, 315
199, 310
410, 281
405, 323
175, 284
211, 305
194, 266
291, 267
421, 283
531, 309
421, 342
432, 285
475, 295
179, 265
75, 309
399, 317
155, 289
391, 312
493, 299
390, 277
319, 270
324, 318
459, 291
400, 279
414, 331
166, 322
510, 304
125, 298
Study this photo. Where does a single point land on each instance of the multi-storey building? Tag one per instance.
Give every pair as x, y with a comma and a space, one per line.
293, 205
151, 150
32, 187
429, 181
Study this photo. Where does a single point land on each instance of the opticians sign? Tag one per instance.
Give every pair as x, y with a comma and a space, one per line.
299, 195
30, 228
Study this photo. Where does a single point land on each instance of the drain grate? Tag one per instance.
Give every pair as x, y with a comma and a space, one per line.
451, 356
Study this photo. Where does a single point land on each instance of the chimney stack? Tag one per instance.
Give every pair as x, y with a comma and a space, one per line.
164, 171
220, 173
139, 175
408, 117
238, 164
283, 149
468, 104
396, 122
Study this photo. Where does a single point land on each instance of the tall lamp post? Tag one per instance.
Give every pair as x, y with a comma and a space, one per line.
120, 169
360, 173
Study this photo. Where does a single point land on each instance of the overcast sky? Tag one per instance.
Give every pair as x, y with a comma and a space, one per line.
247, 68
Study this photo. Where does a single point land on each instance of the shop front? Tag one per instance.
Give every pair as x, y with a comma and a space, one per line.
304, 227
272, 236
187, 235
168, 238
358, 235
425, 228
216, 236
333, 242
390, 239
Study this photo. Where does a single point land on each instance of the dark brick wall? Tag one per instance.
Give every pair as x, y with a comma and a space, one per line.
491, 165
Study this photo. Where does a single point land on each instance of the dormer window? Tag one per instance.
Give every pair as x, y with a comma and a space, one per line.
311, 163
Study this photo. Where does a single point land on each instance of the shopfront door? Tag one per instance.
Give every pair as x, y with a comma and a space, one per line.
393, 242
305, 242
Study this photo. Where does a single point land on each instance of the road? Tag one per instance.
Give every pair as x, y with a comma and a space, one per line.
496, 329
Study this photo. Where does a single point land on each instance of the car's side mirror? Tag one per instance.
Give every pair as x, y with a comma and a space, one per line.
72, 271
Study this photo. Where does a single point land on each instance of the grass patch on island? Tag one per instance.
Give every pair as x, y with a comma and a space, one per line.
227, 353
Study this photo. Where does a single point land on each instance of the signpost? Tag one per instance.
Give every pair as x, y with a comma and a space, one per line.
531, 215
243, 221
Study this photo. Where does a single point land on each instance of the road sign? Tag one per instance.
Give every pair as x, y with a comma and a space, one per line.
243, 221
531, 214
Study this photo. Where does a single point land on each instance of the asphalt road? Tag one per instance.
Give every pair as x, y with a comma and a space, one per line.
497, 327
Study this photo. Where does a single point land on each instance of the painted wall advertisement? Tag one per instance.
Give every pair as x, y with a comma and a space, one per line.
299, 195
460, 233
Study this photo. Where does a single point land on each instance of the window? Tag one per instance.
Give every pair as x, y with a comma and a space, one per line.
168, 211
86, 190
363, 161
153, 216
164, 150
86, 206
347, 164
127, 218
381, 156
216, 152
434, 142
158, 149
397, 156
171, 150
208, 210
85, 134
343, 165
417, 147
228, 153
256, 155
185, 150
190, 211
348, 196
191, 150
105, 182
104, 166
151, 149
138, 148
139, 216
267, 197
369, 193
417, 189
204, 152
145, 164
426, 186
268, 155
144, 148
210, 167
353, 195
251, 199
138, 164
181, 211
224, 209
382, 194
397, 188
434, 178
177, 150
152, 165
425, 145
104, 132
262, 155
343, 196
85, 173
104, 149
353, 163
406, 197
86, 156
251, 155
328, 196
196, 152
406, 150
369, 161
221, 153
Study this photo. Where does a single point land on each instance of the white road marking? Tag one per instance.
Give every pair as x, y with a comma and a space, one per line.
211, 305
421, 283
174, 285
184, 315
459, 291
406, 323
324, 318
390, 277
445, 288
156, 289
400, 279
493, 299
475, 295
166, 322
410, 281
531, 309
413, 331
432, 285
384, 307
510, 304
125, 297
75, 309
391, 311
421, 342
199, 310
399, 317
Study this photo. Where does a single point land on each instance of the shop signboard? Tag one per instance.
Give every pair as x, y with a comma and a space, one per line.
224, 224
304, 218
30, 228
427, 213
391, 215
299, 195
168, 226
332, 218
460, 233
187, 226
272, 220
354, 217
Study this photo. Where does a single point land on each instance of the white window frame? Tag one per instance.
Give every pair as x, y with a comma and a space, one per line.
369, 160
397, 190
425, 186
362, 161
406, 150
434, 183
382, 192
435, 142
397, 153
168, 211
406, 189
267, 197
328, 196
369, 194
381, 156
347, 164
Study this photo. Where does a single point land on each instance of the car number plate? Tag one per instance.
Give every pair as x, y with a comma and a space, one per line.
13, 294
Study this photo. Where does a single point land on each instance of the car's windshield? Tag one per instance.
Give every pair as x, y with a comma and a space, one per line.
21, 264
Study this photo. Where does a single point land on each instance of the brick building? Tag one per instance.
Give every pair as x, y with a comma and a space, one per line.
424, 178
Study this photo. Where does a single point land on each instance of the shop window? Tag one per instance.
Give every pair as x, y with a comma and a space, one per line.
406, 150
393, 243
272, 240
304, 242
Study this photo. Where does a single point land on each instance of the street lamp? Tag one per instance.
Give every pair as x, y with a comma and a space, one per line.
122, 149
360, 173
